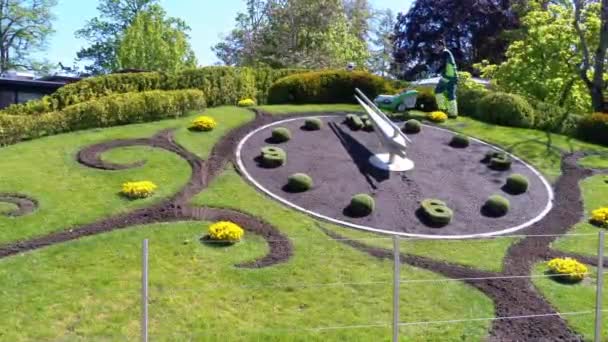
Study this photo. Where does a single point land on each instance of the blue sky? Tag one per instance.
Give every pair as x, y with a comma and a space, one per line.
209, 19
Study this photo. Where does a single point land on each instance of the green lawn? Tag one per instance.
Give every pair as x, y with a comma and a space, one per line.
309, 108
596, 161
89, 289
70, 194
574, 298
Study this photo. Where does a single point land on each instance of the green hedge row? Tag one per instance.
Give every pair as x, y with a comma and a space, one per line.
222, 86
113, 110
330, 86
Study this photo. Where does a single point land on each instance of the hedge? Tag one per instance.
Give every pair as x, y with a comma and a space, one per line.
221, 85
506, 109
331, 86
107, 111
594, 128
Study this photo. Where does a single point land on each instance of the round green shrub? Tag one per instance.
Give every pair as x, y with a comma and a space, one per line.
468, 98
368, 126
280, 135
361, 205
299, 182
355, 122
499, 161
517, 184
496, 206
594, 128
313, 124
273, 156
436, 211
460, 141
506, 109
412, 126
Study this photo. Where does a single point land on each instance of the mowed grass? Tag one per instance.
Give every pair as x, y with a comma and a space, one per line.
595, 196
595, 161
70, 194
310, 108
577, 298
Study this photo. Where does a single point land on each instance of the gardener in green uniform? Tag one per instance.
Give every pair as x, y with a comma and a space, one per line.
445, 92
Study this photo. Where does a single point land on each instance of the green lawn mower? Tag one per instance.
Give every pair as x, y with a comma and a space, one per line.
397, 103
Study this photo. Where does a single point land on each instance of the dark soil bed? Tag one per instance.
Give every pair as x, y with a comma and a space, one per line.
337, 160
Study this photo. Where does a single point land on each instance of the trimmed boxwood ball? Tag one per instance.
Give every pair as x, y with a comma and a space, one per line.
496, 206
517, 184
436, 211
273, 156
354, 122
412, 126
299, 182
460, 141
499, 161
280, 135
313, 124
361, 205
368, 126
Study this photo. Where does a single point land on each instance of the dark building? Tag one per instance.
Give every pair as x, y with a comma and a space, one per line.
15, 88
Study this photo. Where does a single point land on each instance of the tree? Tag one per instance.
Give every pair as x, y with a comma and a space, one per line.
104, 32
153, 42
474, 30
382, 41
358, 13
25, 26
594, 64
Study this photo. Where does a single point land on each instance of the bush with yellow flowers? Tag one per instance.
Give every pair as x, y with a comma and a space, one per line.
204, 123
437, 116
599, 217
135, 190
246, 103
568, 269
226, 231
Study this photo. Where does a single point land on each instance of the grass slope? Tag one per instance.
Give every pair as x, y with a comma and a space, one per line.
309, 108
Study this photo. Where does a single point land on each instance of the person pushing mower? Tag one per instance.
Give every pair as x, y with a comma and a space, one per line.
445, 92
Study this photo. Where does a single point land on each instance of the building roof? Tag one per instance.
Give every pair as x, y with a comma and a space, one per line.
30, 83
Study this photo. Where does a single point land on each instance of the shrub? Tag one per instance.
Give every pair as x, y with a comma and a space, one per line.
273, 157
313, 124
505, 109
468, 99
368, 126
225, 231
104, 112
135, 190
299, 182
426, 101
246, 103
280, 135
553, 118
436, 211
497, 160
412, 126
437, 117
599, 217
361, 205
460, 141
517, 184
331, 86
567, 269
203, 124
354, 122
594, 128
496, 206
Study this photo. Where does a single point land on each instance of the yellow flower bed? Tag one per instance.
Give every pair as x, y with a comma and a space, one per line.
141, 189
246, 103
204, 123
569, 268
437, 116
600, 217
226, 231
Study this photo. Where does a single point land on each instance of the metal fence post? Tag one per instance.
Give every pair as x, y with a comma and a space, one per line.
144, 292
396, 284
599, 287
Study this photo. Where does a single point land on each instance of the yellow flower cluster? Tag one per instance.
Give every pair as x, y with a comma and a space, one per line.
600, 217
437, 116
204, 123
226, 231
246, 103
571, 269
141, 189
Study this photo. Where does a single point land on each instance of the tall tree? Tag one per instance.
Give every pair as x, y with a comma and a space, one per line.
104, 32
593, 63
358, 13
473, 30
153, 42
25, 26
382, 41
